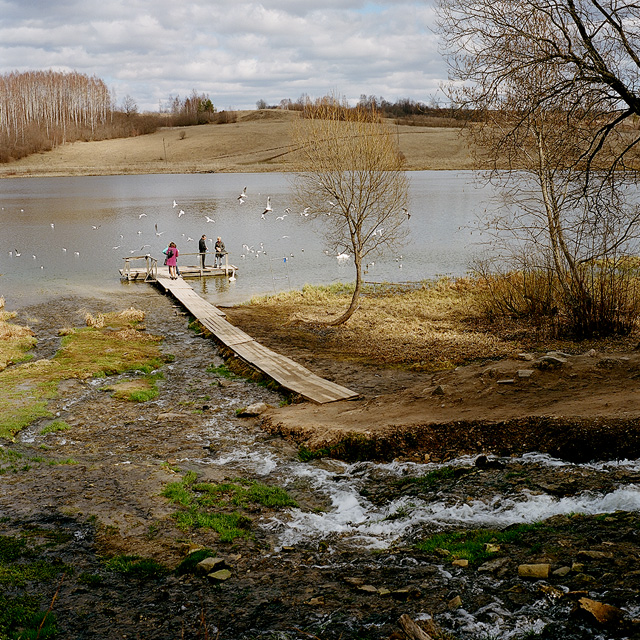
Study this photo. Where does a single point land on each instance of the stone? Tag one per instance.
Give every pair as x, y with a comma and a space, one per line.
210, 564
315, 602
553, 593
490, 547
595, 555
368, 588
577, 567
550, 362
534, 571
219, 576
460, 562
528, 357
440, 390
505, 381
253, 410
384, 592
493, 566
454, 603
562, 572
354, 582
592, 353
604, 614
525, 373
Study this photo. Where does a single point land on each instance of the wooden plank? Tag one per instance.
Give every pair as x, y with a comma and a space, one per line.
286, 372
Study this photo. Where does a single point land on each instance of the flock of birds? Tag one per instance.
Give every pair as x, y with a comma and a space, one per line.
248, 250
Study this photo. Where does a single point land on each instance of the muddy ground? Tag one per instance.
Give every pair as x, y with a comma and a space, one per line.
108, 503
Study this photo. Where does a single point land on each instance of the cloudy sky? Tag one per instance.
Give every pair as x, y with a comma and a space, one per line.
236, 51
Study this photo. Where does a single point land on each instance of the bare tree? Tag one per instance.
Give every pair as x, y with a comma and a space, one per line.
352, 182
543, 75
593, 47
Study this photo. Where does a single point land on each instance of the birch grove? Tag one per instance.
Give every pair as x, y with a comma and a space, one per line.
42, 109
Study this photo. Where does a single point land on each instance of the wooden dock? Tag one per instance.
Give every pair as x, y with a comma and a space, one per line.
287, 373
151, 270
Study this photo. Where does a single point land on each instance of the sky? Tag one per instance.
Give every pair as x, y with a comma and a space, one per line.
235, 51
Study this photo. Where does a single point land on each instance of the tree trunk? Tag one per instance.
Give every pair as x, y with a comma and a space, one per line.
354, 299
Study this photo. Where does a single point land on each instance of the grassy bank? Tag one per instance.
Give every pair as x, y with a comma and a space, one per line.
111, 345
433, 326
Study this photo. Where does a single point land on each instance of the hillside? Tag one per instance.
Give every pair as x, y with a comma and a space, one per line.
259, 141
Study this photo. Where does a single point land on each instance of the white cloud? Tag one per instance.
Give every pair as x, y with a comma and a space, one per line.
236, 51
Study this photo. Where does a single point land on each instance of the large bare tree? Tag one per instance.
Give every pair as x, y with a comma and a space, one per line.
352, 181
556, 82
593, 47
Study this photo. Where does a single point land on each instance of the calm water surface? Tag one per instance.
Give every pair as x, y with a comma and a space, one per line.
72, 234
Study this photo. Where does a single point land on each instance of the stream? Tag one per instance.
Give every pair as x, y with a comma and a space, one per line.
357, 523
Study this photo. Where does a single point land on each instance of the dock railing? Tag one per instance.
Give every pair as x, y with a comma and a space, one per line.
227, 267
151, 265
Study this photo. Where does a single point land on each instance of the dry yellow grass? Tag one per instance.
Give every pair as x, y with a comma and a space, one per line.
259, 141
434, 327
15, 340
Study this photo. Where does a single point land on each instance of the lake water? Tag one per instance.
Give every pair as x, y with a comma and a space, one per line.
69, 235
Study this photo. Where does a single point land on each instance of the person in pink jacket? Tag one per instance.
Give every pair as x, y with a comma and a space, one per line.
172, 260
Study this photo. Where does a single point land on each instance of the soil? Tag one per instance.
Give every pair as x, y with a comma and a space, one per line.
578, 407
109, 504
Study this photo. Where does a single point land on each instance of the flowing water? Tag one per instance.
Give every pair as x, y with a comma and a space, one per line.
72, 235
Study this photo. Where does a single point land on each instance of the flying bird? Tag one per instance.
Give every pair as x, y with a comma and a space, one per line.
180, 213
175, 204
52, 226
209, 219
268, 208
18, 254
158, 233
94, 227
142, 215
243, 195
282, 217
406, 212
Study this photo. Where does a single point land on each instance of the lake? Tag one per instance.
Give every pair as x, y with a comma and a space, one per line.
70, 235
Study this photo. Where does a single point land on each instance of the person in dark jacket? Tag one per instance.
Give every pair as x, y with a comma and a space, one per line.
202, 248
220, 251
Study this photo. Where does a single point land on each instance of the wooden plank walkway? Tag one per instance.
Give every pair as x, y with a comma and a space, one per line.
286, 372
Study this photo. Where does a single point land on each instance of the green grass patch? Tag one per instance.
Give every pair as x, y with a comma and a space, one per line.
431, 479
188, 565
222, 507
136, 567
53, 463
471, 544
22, 619
88, 352
90, 579
222, 371
54, 427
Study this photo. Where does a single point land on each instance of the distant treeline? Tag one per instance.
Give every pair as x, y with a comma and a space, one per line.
404, 110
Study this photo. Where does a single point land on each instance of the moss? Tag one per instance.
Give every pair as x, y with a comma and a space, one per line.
221, 507
27, 388
471, 544
136, 567
55, 426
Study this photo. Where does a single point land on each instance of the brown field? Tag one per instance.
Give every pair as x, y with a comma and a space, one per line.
259, 141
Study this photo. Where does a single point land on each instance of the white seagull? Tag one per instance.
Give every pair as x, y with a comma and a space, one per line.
180, 213
268, 208
142, 215
52, 226
175, 204
209, 219
243, 195
158, 233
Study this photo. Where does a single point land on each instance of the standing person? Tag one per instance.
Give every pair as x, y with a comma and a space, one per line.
202, 248
172, 260
220, 251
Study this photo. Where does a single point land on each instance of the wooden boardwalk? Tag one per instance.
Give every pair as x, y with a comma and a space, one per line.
287, 373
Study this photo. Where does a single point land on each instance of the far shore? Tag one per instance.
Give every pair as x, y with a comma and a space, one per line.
258, 142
